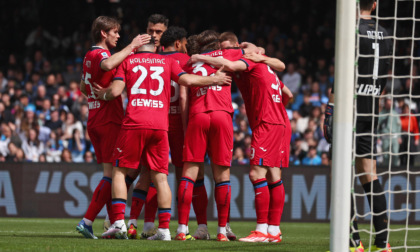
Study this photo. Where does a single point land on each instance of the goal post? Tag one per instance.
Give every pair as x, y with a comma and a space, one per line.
343, 124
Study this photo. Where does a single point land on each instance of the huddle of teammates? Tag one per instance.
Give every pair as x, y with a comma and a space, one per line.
179, 101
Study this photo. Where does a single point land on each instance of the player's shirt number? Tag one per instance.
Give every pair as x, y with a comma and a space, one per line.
157, 71
88, 76
375, 46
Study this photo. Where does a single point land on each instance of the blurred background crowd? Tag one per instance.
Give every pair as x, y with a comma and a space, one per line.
43, 114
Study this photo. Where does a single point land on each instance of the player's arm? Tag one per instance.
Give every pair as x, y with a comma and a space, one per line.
106, 94
83, 88
274, 63
249, 48
218, 62
183, 103
220, 78
116, 59
286, 95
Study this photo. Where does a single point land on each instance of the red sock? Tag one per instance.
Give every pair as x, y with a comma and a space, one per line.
151, 206
185, 192
276, 202
109, 210
137, 202
262, 200
101, 196
118, 208
164, 217
222, 196
200, 201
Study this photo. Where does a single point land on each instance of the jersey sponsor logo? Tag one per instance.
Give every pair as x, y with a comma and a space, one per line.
203, 91
263, 149
119, 150
258, 193
150, 103
94, 104
368, 89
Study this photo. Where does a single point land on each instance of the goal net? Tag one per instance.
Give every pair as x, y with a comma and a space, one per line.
395, 136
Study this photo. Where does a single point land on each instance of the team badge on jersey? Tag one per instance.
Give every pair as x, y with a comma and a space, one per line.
88, 63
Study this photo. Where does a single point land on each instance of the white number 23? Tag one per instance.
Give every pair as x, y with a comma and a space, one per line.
157, 71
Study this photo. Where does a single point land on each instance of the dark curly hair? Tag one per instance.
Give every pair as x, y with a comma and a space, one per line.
171, 35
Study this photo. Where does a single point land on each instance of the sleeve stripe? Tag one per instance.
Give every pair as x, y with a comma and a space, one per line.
179, 75
245, 63
118, 78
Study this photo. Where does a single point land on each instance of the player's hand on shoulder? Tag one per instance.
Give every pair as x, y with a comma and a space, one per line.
328, 123
193, 59
222, 77
254, 57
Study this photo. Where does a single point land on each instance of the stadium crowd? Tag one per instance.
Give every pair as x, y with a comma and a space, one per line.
43, 114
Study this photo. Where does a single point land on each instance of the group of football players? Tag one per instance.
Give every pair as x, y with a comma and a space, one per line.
179, 101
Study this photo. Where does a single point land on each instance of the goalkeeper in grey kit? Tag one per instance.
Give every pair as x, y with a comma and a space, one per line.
372, 68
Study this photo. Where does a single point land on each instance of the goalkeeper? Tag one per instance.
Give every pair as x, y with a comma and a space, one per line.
372, 66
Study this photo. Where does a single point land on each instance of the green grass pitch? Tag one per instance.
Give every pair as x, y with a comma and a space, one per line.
34, 234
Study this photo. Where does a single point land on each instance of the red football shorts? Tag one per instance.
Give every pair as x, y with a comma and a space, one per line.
211, 132
176, 140
266, 144
103, 139
285, 146
151, 146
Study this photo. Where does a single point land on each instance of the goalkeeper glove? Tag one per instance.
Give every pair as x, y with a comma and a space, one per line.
328, 122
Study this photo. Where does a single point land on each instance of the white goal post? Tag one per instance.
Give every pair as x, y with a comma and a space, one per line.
343, 124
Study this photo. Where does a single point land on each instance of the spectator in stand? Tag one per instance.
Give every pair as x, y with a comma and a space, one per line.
54, 148
16, 154
316, 95
324, 159
239, 157
76, 145
410, 136
247, 145
312, 157
54, 122
41, 95
51, 85
297, 153
301, 122
306, 108
66, 156
389, 124
88, 157
3, 81
292, 79
31, 146
316, 129
5, 114
295, 133
69, 125
28, 121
